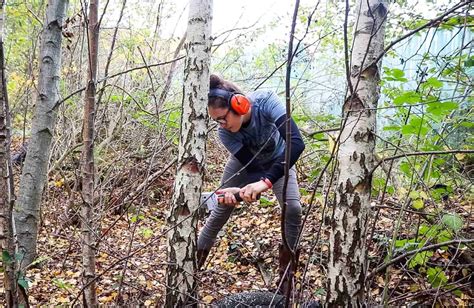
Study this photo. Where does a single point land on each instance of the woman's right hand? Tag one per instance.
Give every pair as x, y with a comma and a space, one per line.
228, 197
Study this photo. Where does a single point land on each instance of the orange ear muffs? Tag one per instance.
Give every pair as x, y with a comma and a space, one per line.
239, 103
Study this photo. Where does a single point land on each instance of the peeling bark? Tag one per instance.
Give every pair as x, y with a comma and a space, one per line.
181, 282
347, 258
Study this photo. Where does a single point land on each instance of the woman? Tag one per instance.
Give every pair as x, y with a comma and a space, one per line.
253, 129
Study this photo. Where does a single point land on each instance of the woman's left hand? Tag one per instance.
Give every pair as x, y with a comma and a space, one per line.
250, 192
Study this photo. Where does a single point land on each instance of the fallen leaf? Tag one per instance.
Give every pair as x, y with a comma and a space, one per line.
208, 299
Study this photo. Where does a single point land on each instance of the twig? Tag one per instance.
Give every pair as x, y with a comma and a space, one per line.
115, 75
412, 252
311, 134
346, 52
428, 24
419, 154
287, 247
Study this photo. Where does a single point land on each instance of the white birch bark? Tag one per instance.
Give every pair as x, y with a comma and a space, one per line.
35, 168
181, 282
347, 261
89, 220
7, 245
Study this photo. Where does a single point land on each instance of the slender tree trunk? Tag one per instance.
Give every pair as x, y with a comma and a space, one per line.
35, 168
347, 259
88, 211
169, 77
181, 282
6, 183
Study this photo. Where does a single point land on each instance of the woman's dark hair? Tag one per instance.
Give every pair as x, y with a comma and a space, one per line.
216, 82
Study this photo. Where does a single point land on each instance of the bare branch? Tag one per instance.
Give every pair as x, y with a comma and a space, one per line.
412, 252
428, 24
421, 153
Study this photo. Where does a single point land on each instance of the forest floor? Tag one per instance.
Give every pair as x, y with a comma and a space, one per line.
131, 259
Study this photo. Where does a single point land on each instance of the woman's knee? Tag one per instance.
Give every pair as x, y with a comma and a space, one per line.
293, 210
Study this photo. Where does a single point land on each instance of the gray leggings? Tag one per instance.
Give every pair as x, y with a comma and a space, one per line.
221, 213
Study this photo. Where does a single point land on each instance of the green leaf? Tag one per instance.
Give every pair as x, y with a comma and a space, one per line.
39, 260
6, 258
147, 232
397, 73
406, 244
62, 284
441, 108
429, 231
409, 97
136, 218
434, 82
418, 204
391, 127
458, 293
394, 74
444, 236
467, 124
23, 282
420, 259
414, 194
19, 256
264, 202
405, 168
436, 276
414, 126
390, 189
400, 243
469, 62
452, 221
423, 195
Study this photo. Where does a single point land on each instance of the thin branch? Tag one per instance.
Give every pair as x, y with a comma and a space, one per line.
421, 153
428, 24
327, 130
412, 252
346, 51
288, 127
115, 75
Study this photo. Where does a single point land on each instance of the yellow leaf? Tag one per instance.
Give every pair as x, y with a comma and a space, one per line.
402, 192
414, 287
331, 144
59, 183
380, 281
460, 156
63, 299
418, 204
423, 195
208, 299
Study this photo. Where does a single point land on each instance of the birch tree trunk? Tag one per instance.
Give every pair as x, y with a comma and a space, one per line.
347, 260
88, 212
7, 244
35, 168
181, 282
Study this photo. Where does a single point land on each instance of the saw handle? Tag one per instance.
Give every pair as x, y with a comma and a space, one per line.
237, 197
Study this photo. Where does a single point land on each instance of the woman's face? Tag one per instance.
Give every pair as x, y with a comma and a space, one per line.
226, 119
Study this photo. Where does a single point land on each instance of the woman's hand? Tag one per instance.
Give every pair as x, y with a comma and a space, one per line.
228, 196
250, 192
